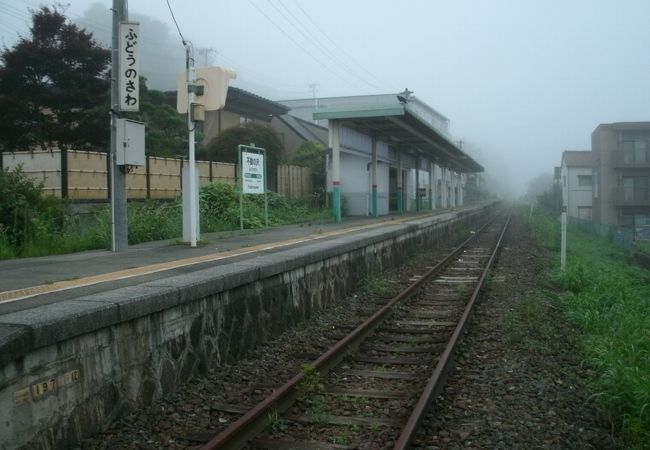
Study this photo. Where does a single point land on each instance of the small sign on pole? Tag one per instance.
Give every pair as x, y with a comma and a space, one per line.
129, 83
253, 177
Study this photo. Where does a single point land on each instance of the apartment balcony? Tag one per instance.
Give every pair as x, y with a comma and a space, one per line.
619, 161
631, 197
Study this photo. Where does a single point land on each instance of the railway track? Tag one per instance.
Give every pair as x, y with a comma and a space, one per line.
373, 387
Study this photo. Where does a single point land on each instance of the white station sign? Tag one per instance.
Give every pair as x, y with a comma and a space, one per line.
252, 173
129, 82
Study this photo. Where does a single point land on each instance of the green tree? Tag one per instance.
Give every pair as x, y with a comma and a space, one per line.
312, 155
52, 85
551, 200
166, 130
223, 148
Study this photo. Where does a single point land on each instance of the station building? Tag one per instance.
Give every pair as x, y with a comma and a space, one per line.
387, 153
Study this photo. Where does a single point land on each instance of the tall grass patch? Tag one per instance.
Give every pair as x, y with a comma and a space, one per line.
32, 224
608, 301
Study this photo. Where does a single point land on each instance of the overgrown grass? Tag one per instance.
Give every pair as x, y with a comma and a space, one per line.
47, 234
220, 207
379, 286
608, 301
643, 247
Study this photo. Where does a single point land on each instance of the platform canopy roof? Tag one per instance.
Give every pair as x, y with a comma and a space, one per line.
399, 125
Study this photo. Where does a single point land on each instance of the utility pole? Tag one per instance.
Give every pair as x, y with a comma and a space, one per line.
191, 125
205, 52
119, 222
314, 87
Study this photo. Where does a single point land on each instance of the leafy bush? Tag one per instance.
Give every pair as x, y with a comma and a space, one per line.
26, 215
34, 225
220, 209
153, 221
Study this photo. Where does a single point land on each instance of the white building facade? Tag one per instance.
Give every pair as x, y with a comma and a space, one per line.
576, 180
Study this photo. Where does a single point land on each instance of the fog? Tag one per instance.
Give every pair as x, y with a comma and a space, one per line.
521, 81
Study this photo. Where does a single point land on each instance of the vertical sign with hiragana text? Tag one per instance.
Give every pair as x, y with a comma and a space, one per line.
129, 67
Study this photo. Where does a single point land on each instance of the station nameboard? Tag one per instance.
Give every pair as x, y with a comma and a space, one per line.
129, 75
252, 173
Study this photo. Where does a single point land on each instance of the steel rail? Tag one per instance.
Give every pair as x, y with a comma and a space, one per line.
439, 373
237, 434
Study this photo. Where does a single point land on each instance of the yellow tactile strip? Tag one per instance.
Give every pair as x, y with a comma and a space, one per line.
20, 294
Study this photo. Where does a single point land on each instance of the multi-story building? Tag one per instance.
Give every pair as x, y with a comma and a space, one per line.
575, 177
621, 173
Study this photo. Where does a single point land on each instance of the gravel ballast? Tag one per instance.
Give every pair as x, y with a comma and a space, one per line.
505, 392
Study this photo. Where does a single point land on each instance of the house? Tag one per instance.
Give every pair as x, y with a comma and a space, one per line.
241, 107
575, 176
621, 173
294, 131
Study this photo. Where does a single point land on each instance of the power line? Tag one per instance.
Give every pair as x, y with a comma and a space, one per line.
176, 23
342, 50
14, 12
310, 38
323, 48
297, 44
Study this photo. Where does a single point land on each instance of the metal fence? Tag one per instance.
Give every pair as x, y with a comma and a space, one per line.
623, 237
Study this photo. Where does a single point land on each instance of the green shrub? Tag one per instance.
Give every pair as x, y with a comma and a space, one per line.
606, 300
27, 216
42, 226
154, 221
220, 209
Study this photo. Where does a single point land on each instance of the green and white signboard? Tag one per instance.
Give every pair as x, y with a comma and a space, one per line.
252, 167
253, 177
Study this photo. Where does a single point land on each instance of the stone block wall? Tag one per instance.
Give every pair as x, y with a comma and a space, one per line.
125, 348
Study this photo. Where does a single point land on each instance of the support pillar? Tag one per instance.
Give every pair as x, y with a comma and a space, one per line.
400, 194
417, 183
375, 200
445, 188
432, 167
334, 141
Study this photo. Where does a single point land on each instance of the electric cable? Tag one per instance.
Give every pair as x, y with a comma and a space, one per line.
176, 23
351, 58
297, 44
317, 42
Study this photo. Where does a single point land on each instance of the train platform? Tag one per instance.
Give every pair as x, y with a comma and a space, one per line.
32, 282
82, 335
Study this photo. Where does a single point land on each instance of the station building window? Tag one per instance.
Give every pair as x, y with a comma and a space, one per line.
584, 180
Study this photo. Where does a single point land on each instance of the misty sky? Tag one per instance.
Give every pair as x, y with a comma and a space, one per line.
521, 81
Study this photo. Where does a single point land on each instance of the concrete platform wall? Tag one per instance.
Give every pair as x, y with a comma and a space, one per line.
68, 369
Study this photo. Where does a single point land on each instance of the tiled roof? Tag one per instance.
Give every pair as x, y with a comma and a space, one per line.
572, 158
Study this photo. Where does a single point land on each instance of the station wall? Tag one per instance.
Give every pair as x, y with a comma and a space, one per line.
69, 368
